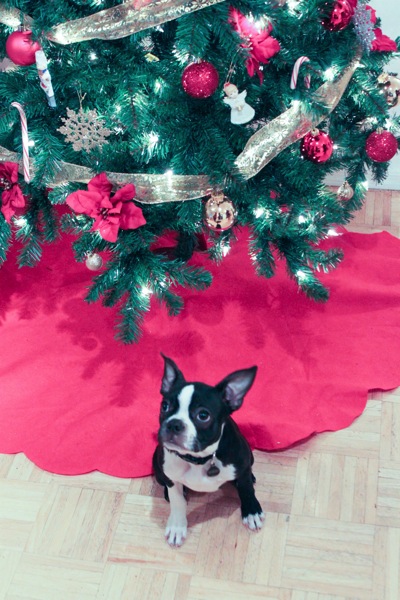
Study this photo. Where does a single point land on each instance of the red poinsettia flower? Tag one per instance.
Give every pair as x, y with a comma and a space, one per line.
109, 213
260, 44
382, 42
12, 198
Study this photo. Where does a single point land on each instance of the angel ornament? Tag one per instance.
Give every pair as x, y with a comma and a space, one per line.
241, 112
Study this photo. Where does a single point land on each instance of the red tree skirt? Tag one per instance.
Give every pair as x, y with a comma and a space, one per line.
75, 400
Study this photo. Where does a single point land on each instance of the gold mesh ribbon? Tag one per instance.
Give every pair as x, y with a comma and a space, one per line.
261, 148
12, 17
113, 23
292, 125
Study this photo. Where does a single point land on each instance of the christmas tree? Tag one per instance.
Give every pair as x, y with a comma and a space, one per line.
191, 119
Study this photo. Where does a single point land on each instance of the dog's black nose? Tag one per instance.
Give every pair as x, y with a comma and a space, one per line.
175, 426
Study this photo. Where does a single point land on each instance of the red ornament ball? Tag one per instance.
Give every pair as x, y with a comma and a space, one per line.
21, 49
381, 146
340, 16
200, 80
316, 146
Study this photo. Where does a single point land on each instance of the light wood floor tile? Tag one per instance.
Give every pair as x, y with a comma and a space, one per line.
203, 588
330, 557
19, 507
41, 578
9, 560
332, 529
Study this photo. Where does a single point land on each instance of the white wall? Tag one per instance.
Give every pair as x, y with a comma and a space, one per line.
389, 12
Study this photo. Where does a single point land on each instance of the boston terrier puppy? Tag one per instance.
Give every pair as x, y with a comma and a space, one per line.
200, 446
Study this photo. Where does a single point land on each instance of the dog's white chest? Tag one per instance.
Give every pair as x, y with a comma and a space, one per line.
195, 477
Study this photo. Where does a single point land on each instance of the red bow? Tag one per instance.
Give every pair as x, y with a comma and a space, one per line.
12, 198
260, 44
109, 214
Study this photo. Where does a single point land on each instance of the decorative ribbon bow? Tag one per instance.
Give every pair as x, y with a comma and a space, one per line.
109, 213
12, 198
260, 44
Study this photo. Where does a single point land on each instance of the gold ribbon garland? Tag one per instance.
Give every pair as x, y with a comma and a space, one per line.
112, 23
261, 148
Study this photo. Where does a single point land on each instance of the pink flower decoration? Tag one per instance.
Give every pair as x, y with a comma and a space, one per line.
109, 213
382, 42
260, 44
12, 198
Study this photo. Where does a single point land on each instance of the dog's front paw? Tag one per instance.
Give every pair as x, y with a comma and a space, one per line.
176, 532
254, 522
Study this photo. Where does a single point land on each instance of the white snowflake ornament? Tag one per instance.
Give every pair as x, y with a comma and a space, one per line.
84, 130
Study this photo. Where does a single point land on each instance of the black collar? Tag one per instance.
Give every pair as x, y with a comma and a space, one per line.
195, 460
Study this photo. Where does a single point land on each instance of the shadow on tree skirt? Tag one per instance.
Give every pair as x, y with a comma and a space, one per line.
75, 400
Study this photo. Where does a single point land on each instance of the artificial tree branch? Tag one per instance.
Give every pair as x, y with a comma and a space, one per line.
261, 148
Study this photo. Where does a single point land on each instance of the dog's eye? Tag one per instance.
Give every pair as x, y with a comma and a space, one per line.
164, 406
203, 416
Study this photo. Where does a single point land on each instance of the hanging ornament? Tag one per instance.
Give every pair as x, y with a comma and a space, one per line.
316, 146
340, 17
241, 112
363, 26
200, 80
389, 85
295, 73
21, 48
345, 192
94, 262
45, 77
381, 145
84, 130
220, 212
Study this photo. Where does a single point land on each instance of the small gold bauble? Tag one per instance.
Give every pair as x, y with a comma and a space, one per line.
220, 212
345, 192
390, 88
94, 262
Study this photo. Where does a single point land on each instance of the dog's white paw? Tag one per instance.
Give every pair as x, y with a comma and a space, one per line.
176, 532
254, 522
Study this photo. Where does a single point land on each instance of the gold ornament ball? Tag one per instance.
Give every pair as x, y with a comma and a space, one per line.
94, 262
345, 192
390, 88
220, 212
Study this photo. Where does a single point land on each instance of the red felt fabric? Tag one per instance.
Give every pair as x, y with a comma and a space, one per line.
75, 400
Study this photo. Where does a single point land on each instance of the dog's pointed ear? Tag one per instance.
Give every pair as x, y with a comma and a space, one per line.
171, 375
235, 386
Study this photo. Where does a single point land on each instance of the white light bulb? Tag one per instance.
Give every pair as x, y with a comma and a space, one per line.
225, 249
302, 219
332, 232
329, 74
301, 275
20, 221
293, 5
145, 291
93, 56
31, 143
153, 138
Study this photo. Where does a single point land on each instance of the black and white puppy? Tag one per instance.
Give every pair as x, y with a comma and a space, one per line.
200, 446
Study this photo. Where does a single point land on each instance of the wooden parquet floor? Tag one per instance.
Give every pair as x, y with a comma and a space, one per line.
332, 518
